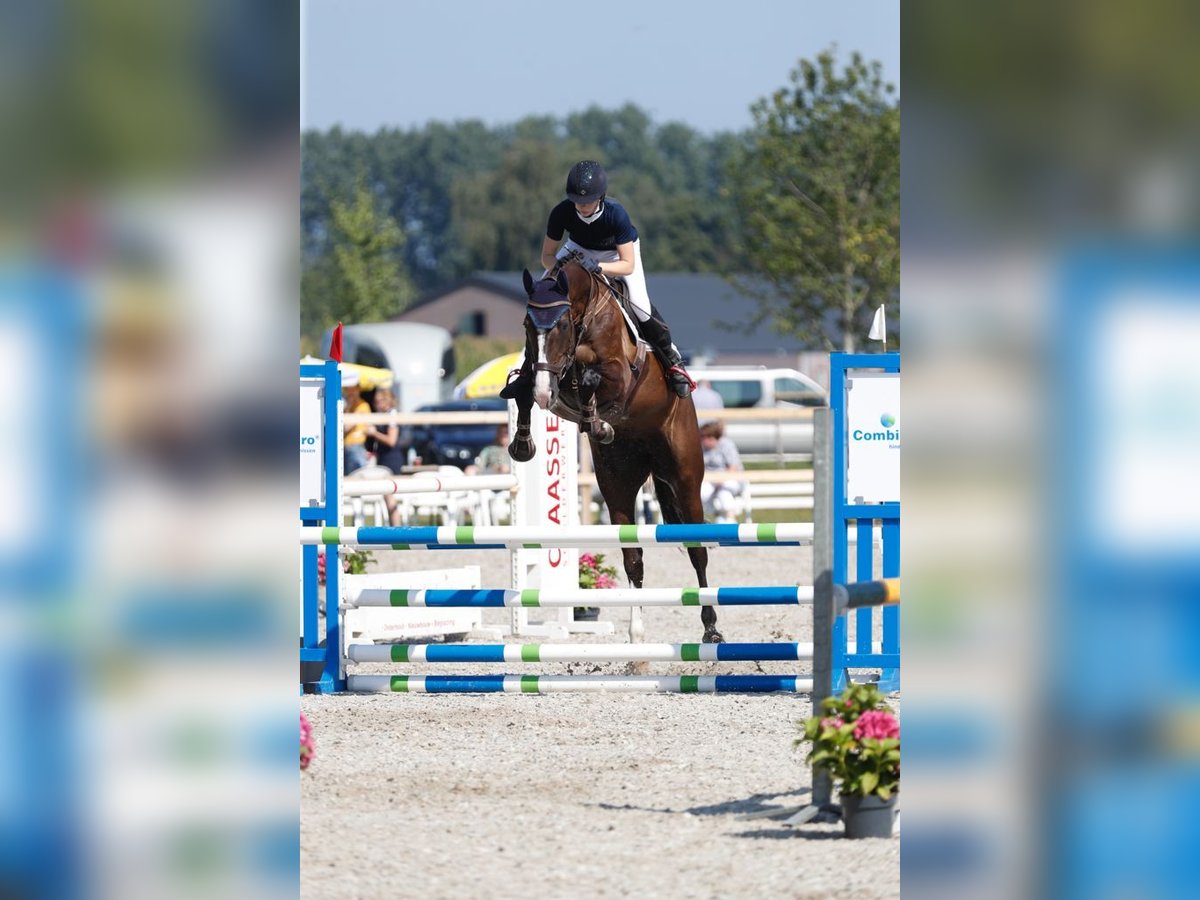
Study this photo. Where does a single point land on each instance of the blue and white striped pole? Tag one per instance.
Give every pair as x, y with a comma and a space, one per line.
516, 537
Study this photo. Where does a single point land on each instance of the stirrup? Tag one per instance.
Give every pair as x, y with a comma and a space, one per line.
679, 377
516, 380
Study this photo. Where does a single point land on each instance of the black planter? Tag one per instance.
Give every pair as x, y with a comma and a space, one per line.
869, 816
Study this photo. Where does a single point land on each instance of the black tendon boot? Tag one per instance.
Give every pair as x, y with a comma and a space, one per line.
656, 332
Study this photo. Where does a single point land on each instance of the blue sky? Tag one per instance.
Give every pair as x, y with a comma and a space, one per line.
401, 63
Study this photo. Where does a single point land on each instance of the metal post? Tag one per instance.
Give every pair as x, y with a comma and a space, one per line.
823, 600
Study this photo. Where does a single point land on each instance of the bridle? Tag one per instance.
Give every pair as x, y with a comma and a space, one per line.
580, 327
569, 359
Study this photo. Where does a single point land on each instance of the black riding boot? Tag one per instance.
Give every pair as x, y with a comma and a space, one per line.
655, 331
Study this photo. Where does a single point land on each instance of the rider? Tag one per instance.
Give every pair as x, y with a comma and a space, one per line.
600, 234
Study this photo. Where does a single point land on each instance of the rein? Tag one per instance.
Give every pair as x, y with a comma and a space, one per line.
592, 309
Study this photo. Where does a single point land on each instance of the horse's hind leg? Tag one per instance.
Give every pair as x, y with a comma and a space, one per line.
708, 614
683, 506
619, 486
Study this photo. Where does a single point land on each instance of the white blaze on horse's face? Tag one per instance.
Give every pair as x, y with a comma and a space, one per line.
541, 382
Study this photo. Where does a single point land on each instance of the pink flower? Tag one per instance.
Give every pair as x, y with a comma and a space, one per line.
832, 722
605, 581
878, 724
587, 559
307, 750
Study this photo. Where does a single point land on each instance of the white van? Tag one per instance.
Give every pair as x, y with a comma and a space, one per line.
759, 387
420, 356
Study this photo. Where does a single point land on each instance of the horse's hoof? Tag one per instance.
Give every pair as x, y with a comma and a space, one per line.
521, 449
712, 636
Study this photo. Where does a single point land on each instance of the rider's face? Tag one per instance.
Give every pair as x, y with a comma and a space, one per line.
587, 209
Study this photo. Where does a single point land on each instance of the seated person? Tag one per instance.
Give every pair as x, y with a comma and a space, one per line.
354, 440
494, 460
720, 455
386, 443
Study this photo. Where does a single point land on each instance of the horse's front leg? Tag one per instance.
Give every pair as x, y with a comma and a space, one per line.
592, 424
521, 448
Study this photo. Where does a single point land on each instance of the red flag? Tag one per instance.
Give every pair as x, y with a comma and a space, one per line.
335, 344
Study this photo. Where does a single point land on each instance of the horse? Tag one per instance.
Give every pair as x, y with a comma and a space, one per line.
589, 369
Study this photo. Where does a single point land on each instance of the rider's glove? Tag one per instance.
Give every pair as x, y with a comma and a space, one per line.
589, 264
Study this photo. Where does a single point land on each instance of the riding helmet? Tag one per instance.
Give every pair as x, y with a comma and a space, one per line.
586, 182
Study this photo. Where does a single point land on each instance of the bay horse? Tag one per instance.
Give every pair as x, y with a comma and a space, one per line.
589, 369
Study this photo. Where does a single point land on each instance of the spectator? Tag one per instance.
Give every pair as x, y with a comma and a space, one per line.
705, 397
385, 440
386, 443
720, 455
354, 440
494, 460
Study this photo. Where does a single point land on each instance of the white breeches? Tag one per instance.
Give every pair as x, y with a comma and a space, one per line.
719, 498
638, 295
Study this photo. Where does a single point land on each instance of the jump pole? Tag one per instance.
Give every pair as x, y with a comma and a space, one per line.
599, 684
613, 597
547, 498
494, 537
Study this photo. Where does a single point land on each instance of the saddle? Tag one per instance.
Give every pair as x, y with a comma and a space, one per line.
620, 290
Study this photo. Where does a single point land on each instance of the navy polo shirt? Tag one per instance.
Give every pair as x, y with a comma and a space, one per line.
609, 230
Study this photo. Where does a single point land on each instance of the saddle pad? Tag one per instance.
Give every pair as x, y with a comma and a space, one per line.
621, 291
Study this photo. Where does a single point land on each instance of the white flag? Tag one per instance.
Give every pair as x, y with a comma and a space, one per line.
878, 330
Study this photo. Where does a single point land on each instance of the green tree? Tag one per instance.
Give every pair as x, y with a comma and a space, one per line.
499, 214
818, 188
360, 277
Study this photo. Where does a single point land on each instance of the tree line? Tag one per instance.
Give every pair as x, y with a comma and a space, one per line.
801, 210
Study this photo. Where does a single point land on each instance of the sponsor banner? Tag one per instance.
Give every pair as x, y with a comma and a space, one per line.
312, 443
873, 437
549, 497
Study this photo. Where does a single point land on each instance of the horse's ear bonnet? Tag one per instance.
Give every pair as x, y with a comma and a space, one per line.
550, 303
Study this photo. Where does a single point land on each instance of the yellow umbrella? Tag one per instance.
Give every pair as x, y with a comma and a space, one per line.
369, 377
488, 379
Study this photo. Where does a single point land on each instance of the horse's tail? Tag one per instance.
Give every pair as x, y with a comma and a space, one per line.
668, 502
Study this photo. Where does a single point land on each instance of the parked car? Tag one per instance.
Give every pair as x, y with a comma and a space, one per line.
455, 445
759, 387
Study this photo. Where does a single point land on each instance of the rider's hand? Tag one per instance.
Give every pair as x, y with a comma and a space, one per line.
589, 264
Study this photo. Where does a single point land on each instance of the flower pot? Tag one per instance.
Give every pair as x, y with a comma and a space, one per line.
869, 816
587, 614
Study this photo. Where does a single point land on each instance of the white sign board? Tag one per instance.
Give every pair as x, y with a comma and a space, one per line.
384, 623
24, 471
873, 437
312, 443
1141, 486
548, 497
